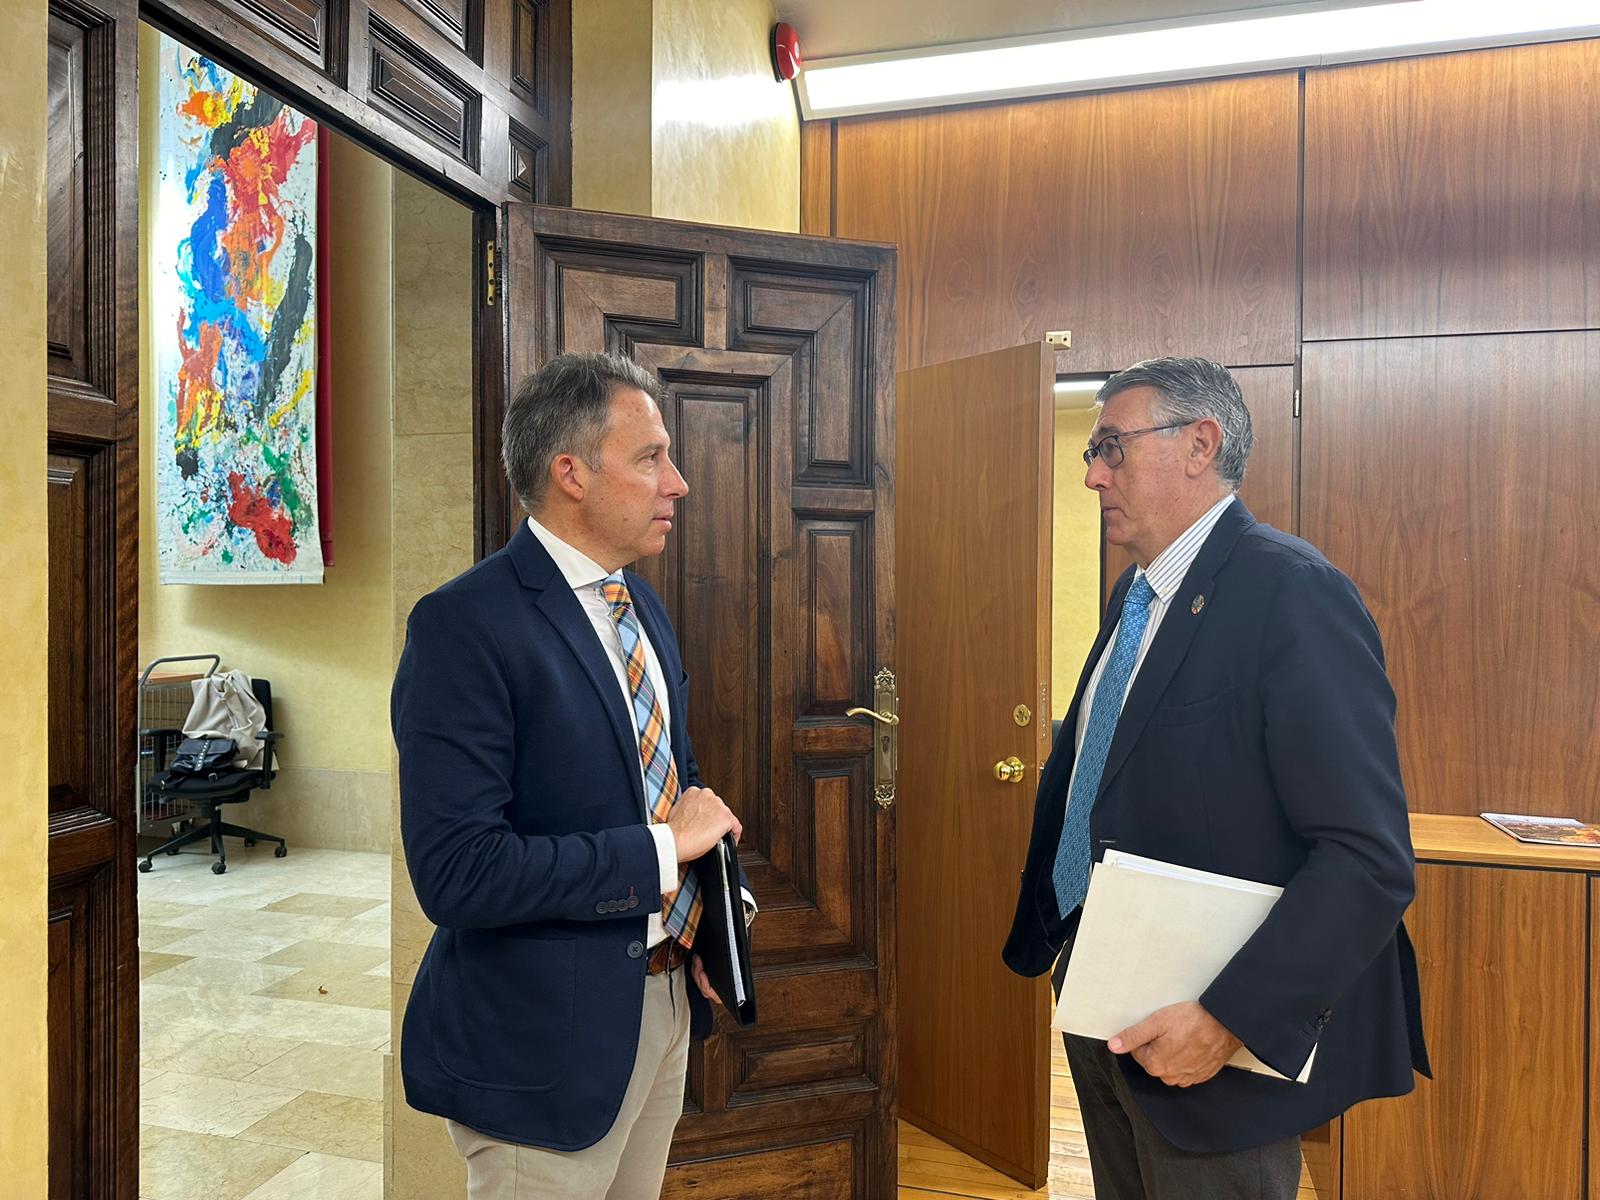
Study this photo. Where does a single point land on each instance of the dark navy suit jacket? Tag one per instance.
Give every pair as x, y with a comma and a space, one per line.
1258, 741
523, 817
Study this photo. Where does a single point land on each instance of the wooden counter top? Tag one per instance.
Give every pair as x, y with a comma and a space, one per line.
1440, 838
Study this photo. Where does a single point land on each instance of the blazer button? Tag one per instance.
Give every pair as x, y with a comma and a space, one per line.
601, 908
635, 949
633, 902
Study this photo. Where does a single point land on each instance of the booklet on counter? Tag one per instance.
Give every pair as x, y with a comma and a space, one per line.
1154, 934
1547, 831
722, 941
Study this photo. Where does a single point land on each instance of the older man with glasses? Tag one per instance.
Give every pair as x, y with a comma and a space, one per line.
1234, 716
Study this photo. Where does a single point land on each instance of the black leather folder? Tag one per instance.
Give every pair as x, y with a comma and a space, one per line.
721, 940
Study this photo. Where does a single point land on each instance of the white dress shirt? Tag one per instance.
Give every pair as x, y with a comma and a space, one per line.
1165, 575
585, 577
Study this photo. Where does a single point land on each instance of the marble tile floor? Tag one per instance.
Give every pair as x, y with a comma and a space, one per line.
264, 1025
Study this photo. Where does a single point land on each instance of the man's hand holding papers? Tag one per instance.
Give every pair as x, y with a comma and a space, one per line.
1181, 1044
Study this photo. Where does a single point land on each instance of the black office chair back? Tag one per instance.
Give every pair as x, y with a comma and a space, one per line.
263, 692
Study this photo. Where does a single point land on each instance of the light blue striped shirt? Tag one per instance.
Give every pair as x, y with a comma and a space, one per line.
1165, 575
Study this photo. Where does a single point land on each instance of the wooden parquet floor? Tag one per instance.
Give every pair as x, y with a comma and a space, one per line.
932, 1170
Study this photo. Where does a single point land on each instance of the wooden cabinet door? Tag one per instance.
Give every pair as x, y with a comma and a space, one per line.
92, 482
777, 353
974, 457
1502, 957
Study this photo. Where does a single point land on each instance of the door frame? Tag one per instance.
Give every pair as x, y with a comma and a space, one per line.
113, 118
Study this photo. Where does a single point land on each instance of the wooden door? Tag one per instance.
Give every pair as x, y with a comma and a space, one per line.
974, 459
777, 353
93, 513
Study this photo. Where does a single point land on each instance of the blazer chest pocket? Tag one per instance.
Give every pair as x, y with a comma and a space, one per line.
505, 1008
1193, 712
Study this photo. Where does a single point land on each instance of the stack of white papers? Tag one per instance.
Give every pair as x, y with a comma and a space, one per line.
1154, 934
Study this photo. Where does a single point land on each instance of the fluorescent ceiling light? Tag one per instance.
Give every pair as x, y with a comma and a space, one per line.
1081, 62
1077, 393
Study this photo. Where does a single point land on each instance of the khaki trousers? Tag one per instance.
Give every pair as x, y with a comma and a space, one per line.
630, 1162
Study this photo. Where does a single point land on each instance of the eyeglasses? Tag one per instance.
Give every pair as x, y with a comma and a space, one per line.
1109, 448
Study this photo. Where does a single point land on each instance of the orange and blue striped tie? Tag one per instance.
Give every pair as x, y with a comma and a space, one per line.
680, 909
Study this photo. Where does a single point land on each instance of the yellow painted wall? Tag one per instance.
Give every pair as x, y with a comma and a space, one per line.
675, 113
725, 136
325, 648
611, 105
1076, 593
23, 587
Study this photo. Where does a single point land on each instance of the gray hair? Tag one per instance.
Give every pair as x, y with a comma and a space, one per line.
564, 408
1191, 389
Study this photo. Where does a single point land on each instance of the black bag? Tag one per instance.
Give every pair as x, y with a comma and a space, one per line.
203, 758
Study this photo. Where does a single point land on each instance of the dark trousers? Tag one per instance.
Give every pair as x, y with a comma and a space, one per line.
1131, 1160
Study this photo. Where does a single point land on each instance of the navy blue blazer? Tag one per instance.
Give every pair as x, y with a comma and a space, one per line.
523, 817
1258, 741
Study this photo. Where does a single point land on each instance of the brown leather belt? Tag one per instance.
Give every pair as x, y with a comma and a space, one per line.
668, 956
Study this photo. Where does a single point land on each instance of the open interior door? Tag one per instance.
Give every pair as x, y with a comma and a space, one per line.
974, 461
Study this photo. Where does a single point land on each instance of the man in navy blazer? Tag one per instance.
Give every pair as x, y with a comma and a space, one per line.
1234, 715
539, 710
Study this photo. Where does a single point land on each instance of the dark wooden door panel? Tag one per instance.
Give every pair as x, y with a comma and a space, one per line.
776, 354
1454, 193
472, 93
92, 494
1453, 479
66, 324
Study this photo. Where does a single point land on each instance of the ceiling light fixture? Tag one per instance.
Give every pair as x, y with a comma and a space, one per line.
1077, 393
1155, 54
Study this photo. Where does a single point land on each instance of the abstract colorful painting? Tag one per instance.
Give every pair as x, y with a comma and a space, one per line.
233, 291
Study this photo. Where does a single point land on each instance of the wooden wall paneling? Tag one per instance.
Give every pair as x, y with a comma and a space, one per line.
1501, 954
1453, 480
1454, 194
1269, 479
816, 177
92, 488
1152, 221
474, 95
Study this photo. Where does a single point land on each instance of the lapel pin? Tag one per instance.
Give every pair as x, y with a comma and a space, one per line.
1198, 603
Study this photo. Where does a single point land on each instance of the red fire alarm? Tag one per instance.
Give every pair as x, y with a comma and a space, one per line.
786, 61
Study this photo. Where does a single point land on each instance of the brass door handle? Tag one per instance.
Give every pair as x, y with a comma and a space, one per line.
886, 717
1010, 770
885, 735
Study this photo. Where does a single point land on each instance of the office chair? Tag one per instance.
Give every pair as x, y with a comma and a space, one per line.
207, 796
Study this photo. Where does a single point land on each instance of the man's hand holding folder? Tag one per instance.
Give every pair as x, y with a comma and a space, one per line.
723, 968
1152, 938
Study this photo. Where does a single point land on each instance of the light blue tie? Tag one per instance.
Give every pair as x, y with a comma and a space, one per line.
1071, 875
